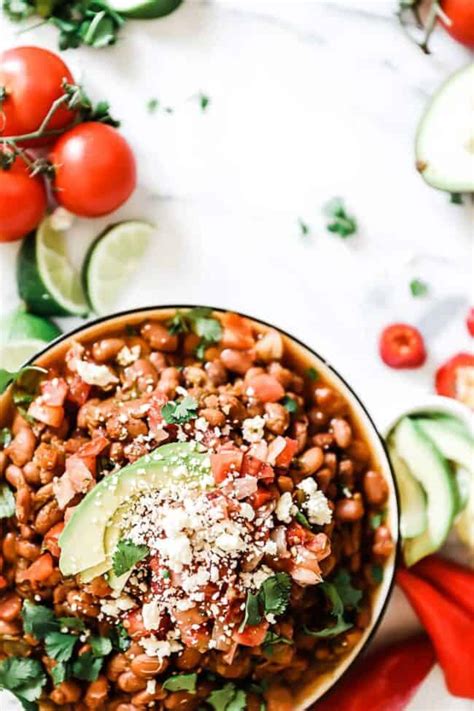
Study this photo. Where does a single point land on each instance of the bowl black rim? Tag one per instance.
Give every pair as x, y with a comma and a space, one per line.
219, 309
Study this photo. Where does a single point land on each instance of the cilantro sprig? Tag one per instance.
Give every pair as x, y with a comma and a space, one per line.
229, 698
25, 679
177, 413
7, 501
126, 555
341, 595
199, 321
418, 288
271, 639
181, 682
341, 222
271, 599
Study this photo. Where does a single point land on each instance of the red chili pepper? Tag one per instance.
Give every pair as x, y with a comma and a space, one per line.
452, 579
451, 630
402, 346
449, 377
384, 681
470, 321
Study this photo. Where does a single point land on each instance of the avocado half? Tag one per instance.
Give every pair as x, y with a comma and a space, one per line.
95, 523
444, 144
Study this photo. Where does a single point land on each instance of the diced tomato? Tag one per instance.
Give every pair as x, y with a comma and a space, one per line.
51, 539
48, 414
3, 582
133, 623
89, 451
285, 457
252, 466
225, 462
237, 332
455, 378
38, 571
76, 479
304, 568
296, 534
470, 321
54, 392
253, 635
402, 346
265, 388
261, 497
319, 544
79, 391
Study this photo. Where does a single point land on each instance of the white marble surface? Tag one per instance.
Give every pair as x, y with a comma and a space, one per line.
309, 99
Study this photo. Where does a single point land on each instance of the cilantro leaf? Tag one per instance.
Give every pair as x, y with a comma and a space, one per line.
87, 667
71, 623
456, 199
177, 413
271, 639
59, 673
23, 677
290, 404
119, 638
338, 628
179, 323
350, 596
301, 518
60, 645
312, 374
275, 593
341, 594
38, 620
204, 101
181, 682
201, 322
376, 519
5, 437
229, 698
341, 222
252, 614
126, 555
418, 288
25, 380
305, 229
101, 646
7, 501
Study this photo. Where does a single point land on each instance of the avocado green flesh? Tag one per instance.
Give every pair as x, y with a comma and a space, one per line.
83, 539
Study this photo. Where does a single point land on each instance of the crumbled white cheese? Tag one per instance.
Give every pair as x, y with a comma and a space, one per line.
270, 547
308, 485
151, 615
176, 551
229, 542
316, 504
93, 374
284, 507
151, 686
127, 356
253, 428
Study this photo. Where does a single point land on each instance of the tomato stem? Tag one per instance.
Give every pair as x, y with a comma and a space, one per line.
41, 131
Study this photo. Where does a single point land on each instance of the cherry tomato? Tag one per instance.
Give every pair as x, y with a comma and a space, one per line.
455, 378
31, 79
252, 635
94, 169
22, 201
470, 321
402, 346
461, 14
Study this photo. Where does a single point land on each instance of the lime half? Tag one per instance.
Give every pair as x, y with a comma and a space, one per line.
15, 354
19, 325
46, 280
112, 260
144, 9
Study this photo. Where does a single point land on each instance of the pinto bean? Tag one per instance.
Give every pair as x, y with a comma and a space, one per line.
323, 439
277, 417
279, 698
310, 461
43, 495
375, 488
232, 407
188, 659
216, 372
9, 548
32, 473
215, 417
283, 375
142, 373
97, 693
146, 698
106, 349
237, 361
130, 682
89, 415
169, 381
159, 338
48, 516
28, 550
116, 665
342, 432
285, 483
330, 401
24, 504
269, 347
9, 629
194, 375
383, 543
21, 448
47, 456
348, 510
10, 607
14, 476
69, 692
148, 667
323, 477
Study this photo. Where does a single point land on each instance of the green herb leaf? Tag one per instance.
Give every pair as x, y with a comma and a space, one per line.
126, 555
290, 404
304, 227
271, 639
101, 646
71, 623
87, 667
119, 638
377, 573
349, 595
204, 101
179, 323
338, 628
418, 288
59, 673
38, 620
301, 518
5, 437
201, 322
87, 111
275, 593
177, 413
7, 501
152, 105
341, 222
25, 678
456, 199
181, 682
25, 380
60, 645
312, 374
252, 614
229, 698
337, 611
376, 519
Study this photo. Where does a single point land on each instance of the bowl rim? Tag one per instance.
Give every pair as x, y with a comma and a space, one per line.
390, 568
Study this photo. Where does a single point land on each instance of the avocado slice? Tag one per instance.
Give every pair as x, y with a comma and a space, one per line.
413, 519
83, 540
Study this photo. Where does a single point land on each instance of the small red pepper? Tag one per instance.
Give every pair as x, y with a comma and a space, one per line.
453, 377
470, 321
450, 629
402, 346
386, 680
450, 578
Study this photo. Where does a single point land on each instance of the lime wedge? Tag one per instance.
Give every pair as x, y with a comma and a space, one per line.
19, 325
144, 9
46, 280
16, 353
112, 260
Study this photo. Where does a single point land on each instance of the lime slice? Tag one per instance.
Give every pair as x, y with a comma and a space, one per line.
15, 354
22, 326
46, 281
111, 261
144, 9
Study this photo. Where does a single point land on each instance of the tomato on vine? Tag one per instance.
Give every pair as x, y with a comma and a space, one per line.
31, 80
22, 201
94, 169
459, 22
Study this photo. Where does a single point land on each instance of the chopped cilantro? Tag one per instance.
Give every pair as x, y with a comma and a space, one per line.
271, 639
290, 404
336, 599
152, 105
100, 646
350, 596
301, 518
7, 501
377, 573
275, 593
418, 287
179, 323
229, 698
25, 380
312, 374
177, 413
87, 667
126, 555
165, 574
71, 623
305, 229
59, 673
204, 101
181, 682
38, 620
25, 679
341, 222
376, 519
252, 614
201, 322
60, 645
456, 199
5, 437
119, 638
